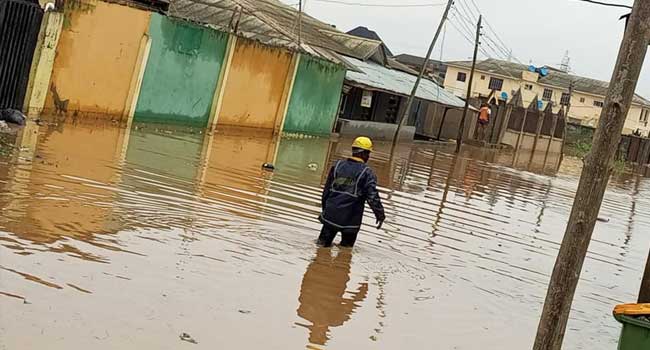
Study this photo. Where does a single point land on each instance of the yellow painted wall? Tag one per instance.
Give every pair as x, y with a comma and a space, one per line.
97, 56
256, 86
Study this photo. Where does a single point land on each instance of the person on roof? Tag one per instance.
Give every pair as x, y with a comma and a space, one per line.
350, 184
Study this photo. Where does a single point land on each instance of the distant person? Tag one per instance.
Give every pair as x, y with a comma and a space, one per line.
350, 184
483, 120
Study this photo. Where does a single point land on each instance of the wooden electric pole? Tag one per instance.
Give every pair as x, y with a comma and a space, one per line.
461, 128
566, 120
300, 23
593, 182
409, 103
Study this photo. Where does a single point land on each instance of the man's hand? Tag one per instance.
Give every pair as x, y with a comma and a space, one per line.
380, 223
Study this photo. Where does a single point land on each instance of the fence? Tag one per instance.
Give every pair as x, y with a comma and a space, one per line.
525, 128
20, 22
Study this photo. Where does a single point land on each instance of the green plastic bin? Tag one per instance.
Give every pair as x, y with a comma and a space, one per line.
636, 326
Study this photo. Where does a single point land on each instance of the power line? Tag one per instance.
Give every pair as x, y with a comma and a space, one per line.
607, 4
497, 50
463, 33
501, 44
469, 15
338, 2
470, 23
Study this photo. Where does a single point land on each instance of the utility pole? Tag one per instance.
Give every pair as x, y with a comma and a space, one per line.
593, 182
566, 121
461, 128
411, 98
300, 23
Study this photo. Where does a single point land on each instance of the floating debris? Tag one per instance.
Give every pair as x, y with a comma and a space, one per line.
268, 166
13, 116
188, 338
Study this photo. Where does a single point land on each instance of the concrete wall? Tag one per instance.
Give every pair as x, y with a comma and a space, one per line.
527, 142
182, 72
315, 98
97, 56
633, 121
256, 87
43, 62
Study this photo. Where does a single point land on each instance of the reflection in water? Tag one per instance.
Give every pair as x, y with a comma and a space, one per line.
323, 300
145, 234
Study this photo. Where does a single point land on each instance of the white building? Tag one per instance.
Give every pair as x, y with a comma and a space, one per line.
506, 78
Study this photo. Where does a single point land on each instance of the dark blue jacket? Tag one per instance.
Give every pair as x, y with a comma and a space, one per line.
349, 185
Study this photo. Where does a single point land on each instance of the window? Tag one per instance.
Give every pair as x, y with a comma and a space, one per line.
565, 100
482, 77
496, 84
461, 76
528, 87
582, 100
548, 95
600, 104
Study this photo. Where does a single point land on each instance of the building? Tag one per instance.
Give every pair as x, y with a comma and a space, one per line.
376, 90
364, 32
212, 63
436, 70
549, 85
193, 64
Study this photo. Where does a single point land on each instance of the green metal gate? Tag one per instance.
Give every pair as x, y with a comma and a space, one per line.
20, 23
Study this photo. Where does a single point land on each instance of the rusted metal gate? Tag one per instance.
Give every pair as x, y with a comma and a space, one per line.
20, 22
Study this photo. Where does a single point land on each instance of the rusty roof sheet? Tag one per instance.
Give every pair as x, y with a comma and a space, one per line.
378, 77
358, 47
269, 22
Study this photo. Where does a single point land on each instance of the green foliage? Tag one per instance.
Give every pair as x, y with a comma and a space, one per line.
579, 149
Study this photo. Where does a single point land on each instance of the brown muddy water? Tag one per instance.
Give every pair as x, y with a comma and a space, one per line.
126, 240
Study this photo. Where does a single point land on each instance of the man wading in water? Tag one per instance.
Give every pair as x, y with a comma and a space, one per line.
349, 185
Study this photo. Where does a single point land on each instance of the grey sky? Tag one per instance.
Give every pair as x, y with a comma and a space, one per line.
537, 30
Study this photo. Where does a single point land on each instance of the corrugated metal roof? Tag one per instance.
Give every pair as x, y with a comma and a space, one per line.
378, 77
272, 23
418, 61
555, 78
364, 32
361, 48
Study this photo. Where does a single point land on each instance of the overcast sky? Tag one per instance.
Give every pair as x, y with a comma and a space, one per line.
537, 31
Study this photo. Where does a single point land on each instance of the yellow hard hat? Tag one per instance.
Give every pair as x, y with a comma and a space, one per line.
363, 143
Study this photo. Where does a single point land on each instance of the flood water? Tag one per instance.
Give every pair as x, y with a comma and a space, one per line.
125, 240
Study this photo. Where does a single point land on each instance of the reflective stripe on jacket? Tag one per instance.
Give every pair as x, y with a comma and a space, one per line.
349, 185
